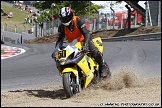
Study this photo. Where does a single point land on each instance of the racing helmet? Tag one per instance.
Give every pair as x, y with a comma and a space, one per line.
65, 15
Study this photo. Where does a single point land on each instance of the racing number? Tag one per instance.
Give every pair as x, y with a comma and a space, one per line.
98, 42
62, 54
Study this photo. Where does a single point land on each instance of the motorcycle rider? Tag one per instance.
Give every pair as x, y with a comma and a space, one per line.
73, 27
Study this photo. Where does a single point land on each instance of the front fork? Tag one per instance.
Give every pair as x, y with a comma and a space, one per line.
78, 83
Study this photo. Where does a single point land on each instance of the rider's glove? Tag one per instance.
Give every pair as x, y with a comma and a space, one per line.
53, 54
85, 48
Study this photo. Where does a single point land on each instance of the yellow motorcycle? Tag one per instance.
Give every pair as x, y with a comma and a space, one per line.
77, 68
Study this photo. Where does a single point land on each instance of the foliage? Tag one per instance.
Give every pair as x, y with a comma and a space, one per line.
2, 51
80, 8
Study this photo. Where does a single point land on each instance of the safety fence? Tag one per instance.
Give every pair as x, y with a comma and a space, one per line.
17, 38
16, 28
47, 28
50, 27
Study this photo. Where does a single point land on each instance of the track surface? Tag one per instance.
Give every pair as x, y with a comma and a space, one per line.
35, 68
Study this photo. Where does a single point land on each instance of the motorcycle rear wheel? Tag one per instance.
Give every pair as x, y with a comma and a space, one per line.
69, 84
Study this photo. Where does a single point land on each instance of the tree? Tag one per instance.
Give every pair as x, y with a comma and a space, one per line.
80, 8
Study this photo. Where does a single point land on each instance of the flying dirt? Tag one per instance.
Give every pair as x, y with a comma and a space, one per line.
125, 88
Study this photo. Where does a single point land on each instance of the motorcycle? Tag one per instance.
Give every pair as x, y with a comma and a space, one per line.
77, 68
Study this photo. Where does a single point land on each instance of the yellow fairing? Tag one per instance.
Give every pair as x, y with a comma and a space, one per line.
79, 45
70, 69
98, 43
88, 79
84, 65
87, 65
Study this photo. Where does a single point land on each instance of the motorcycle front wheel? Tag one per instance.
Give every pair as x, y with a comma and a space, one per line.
69, 84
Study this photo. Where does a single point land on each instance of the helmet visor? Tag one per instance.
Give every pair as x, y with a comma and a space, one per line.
67, 24
65, 19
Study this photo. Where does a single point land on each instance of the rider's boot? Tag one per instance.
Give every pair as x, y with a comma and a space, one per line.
98, 56
104, 69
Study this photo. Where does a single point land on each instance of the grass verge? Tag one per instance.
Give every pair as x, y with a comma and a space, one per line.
16, 21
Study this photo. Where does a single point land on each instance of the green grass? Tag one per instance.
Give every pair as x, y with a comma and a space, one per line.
2, 51
17, 19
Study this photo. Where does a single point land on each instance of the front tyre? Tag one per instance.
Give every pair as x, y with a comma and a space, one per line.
69, 84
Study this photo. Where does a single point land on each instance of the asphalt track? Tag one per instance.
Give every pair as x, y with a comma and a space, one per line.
35, 68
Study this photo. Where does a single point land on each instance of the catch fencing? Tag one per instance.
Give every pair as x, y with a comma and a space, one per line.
19, 35
50, 27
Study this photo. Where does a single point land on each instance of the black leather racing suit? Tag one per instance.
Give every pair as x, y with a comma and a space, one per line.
87, 41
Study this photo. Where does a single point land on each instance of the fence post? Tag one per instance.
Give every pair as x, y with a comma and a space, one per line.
6, 26
135, 19
43, 29
3, 27
2, 37
113, 16
28, 30
15, 28
107, 22
121, 22
87, 24
24, 28
94, 23
36, 29
21, 38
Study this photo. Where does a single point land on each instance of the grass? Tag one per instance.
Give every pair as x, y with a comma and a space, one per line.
2, 51
17, 19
